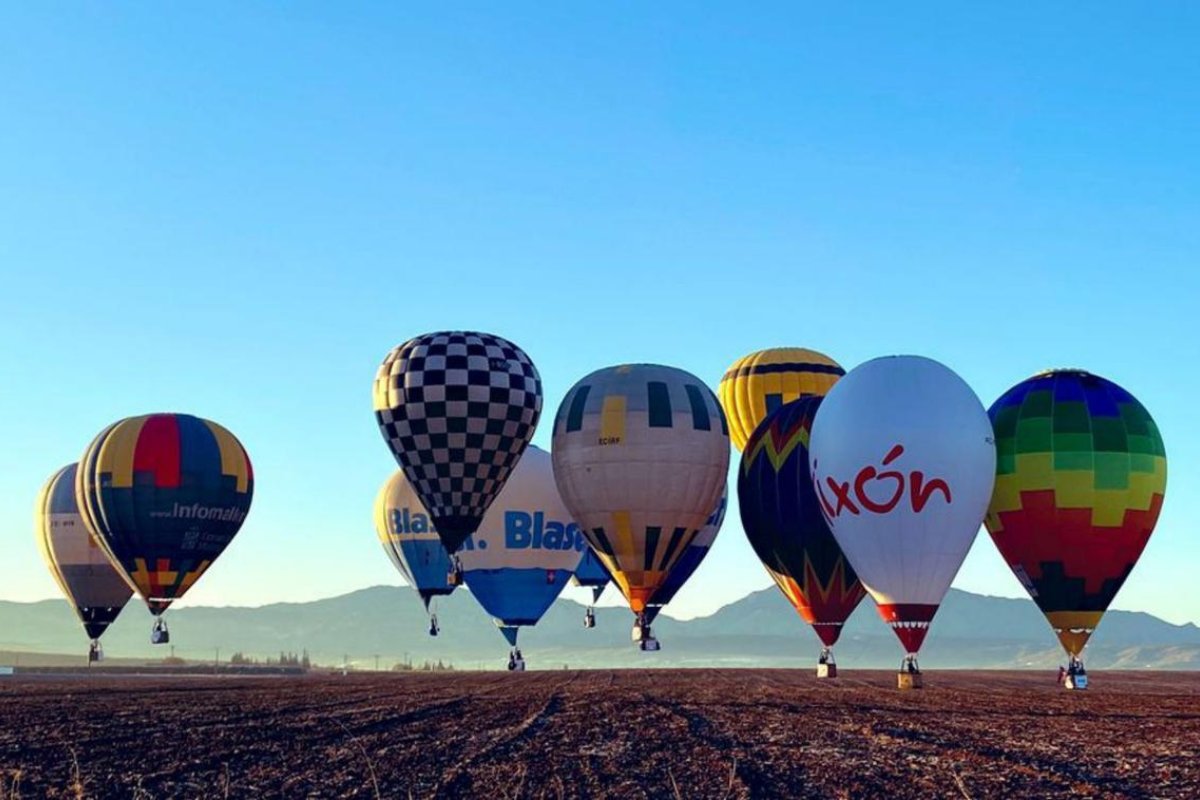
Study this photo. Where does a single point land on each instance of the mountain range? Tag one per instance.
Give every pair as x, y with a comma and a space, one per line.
761, 629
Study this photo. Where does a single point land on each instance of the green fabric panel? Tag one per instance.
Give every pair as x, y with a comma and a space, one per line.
1005, 424
1108, 435
1071, 418
1136, 418
1035, 435
1142, 462
1068, 460
1112, 471
1038, 404
1073, 443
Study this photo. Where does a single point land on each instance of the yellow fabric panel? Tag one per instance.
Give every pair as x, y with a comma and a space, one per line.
612, 418
83, 480
744, 397
233, 458
726, 395
1074, 628
1143, 486
141, 578
117, 450
623, 544
381, 390
1006, 496
1036, 471
1075, 488
382, 528
1109, 508
191, 577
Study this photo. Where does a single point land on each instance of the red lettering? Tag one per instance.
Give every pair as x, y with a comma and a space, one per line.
842, 492
921, 491
868, 474
826, 508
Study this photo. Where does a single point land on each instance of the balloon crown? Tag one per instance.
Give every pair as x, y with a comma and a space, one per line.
1082, 373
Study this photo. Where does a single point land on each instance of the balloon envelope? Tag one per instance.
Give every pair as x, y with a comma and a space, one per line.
783, 521
640, 457
457, 409
592, 573
526, 548
757, 384
164, 494
410, 540
903, 464
94, 589
690, 561
1081, 472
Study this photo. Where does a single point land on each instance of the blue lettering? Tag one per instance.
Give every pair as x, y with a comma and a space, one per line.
518, 530
404, 522
576, 537
524, 530
554, 536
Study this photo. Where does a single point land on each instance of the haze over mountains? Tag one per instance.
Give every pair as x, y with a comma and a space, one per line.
761, 629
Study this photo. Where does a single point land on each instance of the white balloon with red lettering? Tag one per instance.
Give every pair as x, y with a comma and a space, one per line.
903, 462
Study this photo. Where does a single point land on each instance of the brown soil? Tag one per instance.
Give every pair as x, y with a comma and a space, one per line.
627, 734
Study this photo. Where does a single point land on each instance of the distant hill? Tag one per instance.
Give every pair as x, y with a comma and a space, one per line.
761, 629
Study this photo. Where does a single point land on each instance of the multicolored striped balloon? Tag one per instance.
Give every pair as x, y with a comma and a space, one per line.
1080, 477
164, 494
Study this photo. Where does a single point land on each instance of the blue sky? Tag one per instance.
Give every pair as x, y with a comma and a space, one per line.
236, 210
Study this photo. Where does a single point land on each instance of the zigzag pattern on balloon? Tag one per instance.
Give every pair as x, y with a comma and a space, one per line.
783, 521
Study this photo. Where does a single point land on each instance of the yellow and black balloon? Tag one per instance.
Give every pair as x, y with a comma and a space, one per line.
757, 384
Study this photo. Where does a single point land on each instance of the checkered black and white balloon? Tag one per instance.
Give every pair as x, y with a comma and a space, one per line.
458, 409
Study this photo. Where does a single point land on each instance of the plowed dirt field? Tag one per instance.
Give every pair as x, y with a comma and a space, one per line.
628, 734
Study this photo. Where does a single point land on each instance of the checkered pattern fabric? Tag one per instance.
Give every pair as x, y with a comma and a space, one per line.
458, 409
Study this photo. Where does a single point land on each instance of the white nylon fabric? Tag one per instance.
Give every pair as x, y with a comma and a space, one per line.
667, 476
903, 538
527, 526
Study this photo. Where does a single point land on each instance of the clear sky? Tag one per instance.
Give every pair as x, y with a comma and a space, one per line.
236, 209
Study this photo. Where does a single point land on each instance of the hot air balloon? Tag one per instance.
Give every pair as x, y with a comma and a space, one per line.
757, 384
1080, 476
903, 464
687, 564
94, 589
457, 410
783, 521
591, 574
411, 542
164, 494
525, 551
640, 458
